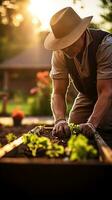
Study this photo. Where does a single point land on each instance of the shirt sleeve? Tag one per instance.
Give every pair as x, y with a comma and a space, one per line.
58, 69
104, 58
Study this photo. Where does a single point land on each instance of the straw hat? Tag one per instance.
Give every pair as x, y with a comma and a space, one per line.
67, 27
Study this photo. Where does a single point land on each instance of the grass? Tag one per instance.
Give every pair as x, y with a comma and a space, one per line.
24, 106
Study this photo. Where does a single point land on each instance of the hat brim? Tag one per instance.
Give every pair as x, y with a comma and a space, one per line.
52, 43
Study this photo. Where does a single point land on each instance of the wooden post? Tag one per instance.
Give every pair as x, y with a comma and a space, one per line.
5, 93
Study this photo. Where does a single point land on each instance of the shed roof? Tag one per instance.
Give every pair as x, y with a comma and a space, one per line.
36, 57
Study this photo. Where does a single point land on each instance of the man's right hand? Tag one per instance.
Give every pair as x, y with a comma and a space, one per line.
61, 129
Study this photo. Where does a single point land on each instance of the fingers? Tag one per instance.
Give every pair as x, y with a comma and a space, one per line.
67, 131
61, 130
87, 130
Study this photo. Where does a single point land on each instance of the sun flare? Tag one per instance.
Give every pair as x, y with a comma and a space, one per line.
44, 9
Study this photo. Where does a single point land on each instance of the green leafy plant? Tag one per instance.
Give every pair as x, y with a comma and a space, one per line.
78, 148
56, 150
40, 104
74, 128
10, 137
36, 143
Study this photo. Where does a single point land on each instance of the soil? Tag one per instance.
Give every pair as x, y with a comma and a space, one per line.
21, 151
35, 178
17, 130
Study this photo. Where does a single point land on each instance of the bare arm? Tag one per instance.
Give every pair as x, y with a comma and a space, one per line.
103, 103
58, 98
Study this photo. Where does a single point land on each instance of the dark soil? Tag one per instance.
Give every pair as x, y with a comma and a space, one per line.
37, 178
21, 151
17, 130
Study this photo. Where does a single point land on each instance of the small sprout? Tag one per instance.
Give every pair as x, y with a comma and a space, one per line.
10, 137
74, 128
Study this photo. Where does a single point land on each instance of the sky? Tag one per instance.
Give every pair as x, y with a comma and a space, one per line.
90, 8
44, 9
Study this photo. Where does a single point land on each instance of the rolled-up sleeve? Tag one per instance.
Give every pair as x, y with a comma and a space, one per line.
104, 59
58, 69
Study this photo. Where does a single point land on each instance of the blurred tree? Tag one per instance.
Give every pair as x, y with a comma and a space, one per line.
106, 13
17, 30
94, 25
81, 3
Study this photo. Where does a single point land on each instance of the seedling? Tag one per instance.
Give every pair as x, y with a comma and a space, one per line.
77, 147
35, 143
74, 128
10, 137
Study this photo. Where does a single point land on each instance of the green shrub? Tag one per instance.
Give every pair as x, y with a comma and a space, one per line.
40, 104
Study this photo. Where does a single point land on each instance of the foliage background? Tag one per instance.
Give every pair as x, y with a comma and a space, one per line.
17, 32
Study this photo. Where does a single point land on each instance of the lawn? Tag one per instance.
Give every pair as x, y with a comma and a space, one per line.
24, 106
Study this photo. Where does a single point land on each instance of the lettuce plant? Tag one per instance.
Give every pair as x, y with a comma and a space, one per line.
10, 137
77, 147
36, 143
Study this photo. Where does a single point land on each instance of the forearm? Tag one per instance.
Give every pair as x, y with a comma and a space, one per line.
101, 107
58, 106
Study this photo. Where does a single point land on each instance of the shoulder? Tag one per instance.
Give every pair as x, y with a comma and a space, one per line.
58, 58
105, 47
58, 54
104, 58
107, 40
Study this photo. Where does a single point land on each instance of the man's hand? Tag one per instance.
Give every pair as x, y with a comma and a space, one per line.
87, 129
61, 129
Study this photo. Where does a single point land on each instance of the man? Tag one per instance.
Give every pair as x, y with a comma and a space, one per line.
85, 56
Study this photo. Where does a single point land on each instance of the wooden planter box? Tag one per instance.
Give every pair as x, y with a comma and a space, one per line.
34, 177
40, 176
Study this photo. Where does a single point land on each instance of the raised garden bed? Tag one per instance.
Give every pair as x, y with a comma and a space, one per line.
41, 175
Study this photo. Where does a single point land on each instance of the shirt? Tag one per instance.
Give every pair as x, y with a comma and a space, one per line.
104, 69
103, 58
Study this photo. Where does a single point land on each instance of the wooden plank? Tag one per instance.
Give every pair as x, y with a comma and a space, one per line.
104, 149
8, 147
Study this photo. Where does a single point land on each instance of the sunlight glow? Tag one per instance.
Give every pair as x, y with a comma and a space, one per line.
17, 19
86, 8
44, 9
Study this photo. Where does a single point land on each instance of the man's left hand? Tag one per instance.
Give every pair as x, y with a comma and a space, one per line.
87, 129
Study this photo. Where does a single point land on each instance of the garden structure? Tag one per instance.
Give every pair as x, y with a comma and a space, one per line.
36, 163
